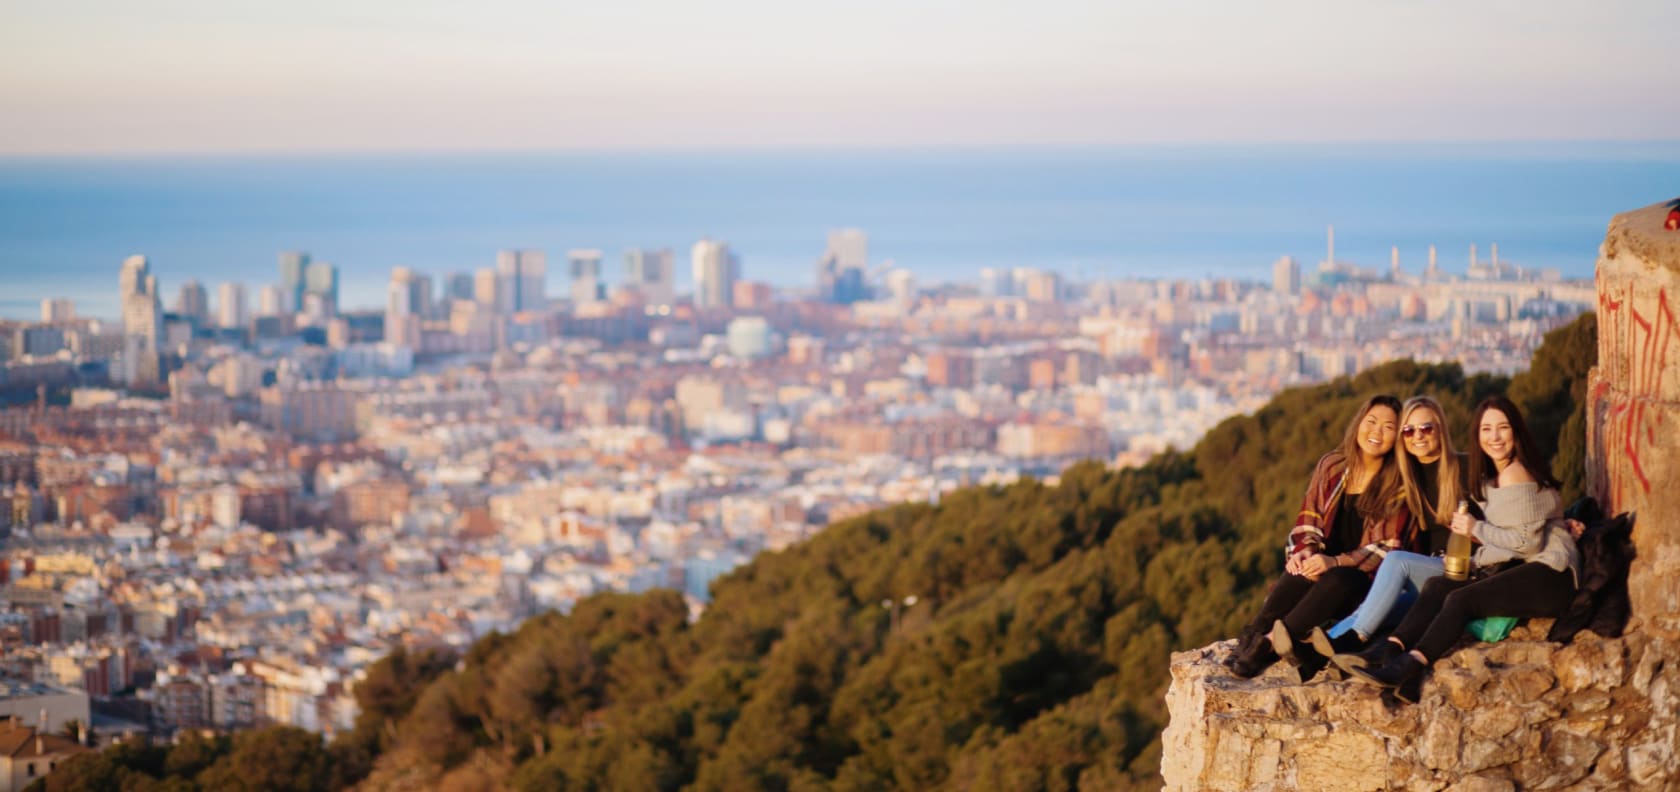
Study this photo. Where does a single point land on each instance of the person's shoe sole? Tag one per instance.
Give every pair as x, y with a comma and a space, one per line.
1283, 644
1320, 641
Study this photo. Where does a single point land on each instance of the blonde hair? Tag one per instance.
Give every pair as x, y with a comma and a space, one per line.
1447, 476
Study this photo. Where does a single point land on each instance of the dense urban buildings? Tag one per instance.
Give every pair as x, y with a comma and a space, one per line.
216, 525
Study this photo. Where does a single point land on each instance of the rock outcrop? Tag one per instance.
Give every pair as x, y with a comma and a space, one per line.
1524, 713
1520, 714
1633, 403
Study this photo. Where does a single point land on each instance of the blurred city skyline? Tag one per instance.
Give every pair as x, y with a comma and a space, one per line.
194, 76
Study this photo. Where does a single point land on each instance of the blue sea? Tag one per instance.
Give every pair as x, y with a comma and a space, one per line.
1181, 211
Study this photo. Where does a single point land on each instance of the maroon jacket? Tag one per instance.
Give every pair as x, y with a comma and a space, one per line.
1318, 513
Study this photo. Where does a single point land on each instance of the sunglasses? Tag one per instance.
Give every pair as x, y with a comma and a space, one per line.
1424, 429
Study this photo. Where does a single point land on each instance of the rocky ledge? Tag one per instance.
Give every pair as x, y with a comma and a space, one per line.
1519, 714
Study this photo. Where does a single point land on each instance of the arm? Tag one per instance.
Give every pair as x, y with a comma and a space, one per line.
1525, 531
1306, 539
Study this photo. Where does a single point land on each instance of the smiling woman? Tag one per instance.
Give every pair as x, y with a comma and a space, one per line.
1353, 514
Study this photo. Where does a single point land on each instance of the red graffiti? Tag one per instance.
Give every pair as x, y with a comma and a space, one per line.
1630, 424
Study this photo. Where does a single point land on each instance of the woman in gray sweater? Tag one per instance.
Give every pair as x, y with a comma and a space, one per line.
1527, 565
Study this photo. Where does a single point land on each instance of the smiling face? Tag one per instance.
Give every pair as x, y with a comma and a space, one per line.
1421, 434
1377, 431
1494, 434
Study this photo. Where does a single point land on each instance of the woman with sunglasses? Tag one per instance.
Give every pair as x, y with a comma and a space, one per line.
1527, 566
1353, 513
1432, 473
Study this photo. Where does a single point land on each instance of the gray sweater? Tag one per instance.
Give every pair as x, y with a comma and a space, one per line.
1526, 522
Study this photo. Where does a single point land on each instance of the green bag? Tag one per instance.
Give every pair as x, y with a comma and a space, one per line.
1493, 628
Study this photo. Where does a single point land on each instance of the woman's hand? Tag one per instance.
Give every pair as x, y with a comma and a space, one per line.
1462, 523
1315, 566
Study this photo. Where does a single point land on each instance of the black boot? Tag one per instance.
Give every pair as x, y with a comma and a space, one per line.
1252, 656
1373, 656
1394, 673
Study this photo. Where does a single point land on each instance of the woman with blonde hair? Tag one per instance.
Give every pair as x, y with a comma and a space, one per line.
1433, 477
1353, 513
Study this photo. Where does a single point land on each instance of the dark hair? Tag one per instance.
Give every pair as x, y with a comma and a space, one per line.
1385, 491
1482, 469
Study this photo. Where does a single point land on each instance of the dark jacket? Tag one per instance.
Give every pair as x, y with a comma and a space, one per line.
1601, 601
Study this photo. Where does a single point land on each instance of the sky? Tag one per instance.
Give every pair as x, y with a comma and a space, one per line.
238, 76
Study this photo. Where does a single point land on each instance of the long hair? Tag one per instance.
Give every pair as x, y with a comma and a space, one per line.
1385, 492
1482, 470
1447, 472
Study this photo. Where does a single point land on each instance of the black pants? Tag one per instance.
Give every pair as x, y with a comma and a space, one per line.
1441, 612
1303, 604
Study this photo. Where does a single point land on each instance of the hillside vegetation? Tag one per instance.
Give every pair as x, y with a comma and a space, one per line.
1035, 655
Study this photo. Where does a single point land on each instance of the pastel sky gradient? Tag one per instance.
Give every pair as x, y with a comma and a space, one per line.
215, 76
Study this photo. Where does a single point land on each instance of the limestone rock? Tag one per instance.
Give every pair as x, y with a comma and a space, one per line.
1566, 717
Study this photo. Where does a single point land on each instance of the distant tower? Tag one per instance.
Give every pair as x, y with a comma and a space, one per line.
1434, 271
142, 321
1330, 247
193, 303
715, 271
1472, 256
1493, 254
402, 308
321, 278
841, 270
1286, 276
271, 301
57, 309
652, 273
230, 307
1394, 262
522, 277
293, 264
587, 286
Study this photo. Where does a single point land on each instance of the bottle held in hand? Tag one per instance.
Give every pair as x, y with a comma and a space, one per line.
1457, 561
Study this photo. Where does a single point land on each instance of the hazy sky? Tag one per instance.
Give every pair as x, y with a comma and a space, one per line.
310, 75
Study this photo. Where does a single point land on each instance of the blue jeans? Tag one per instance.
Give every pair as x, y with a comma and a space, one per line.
1397, 583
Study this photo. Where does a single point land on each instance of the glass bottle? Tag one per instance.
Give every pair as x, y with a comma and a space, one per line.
1457, 560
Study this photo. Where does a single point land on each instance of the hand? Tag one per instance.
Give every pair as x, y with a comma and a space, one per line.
1313, 567
1576, 528
1462, 523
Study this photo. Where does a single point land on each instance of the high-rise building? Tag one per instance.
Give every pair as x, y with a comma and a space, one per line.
459, 286
715, 271
402, 308
293, 265
522, 277
57, 309
1434, 271
652, 273
585, 267
1394, 263
1286, 276
230, 305
321, 278
142, 321
487, 289
843, 266
271, 301
193, 303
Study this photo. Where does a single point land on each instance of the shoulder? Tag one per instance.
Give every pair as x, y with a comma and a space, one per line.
1330, 463
1515, 474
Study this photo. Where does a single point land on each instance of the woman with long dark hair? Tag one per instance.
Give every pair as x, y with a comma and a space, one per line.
1353, 514
1527, 564
1433, 476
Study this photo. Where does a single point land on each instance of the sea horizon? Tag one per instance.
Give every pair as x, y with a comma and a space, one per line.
1088, 212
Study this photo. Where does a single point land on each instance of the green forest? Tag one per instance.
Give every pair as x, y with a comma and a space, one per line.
1035, 655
